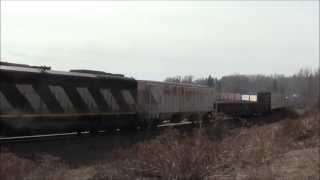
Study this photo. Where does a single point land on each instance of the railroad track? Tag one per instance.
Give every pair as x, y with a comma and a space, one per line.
184, 124
62, 136
40, 137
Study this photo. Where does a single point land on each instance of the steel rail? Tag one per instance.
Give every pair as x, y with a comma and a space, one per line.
61, 136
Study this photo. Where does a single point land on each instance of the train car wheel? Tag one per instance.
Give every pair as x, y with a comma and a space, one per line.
206, 118
176, 118
194, 117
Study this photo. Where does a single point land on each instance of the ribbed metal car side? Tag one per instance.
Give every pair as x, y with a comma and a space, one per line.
164, 99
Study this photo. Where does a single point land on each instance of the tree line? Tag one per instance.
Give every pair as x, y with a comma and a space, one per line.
304, 83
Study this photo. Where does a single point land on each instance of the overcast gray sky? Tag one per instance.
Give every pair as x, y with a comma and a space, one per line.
157, 39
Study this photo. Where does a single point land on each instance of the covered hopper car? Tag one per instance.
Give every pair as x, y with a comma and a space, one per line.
174, 101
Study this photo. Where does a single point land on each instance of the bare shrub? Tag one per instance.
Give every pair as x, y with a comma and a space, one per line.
13, 167
109, 170
49, 167
301, 129
46, 167
246, 153
173, 156
262, 173
295, 129
251, 151
216, 133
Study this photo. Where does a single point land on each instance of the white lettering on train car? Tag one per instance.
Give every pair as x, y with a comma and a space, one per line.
251, 98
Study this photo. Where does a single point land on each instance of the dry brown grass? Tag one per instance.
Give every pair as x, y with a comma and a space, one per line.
170, 156
283, 150
253, 151
45, 167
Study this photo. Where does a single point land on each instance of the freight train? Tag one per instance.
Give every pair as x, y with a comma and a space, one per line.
36, 99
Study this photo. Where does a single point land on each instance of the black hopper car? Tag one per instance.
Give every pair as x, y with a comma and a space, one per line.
36, 99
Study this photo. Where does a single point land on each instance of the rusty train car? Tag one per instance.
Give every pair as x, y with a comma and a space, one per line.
39, 100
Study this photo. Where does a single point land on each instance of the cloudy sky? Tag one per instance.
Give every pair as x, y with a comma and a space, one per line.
157, 39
